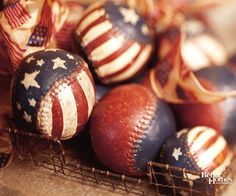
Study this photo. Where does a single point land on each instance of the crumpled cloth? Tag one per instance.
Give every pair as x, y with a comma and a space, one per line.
172, 80
31, 25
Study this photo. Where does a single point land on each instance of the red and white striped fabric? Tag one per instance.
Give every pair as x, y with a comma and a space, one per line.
173, 81
115, 56
209, 149
14, 50
16, 14
32, 25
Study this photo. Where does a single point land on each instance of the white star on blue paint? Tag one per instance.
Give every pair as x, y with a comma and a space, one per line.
29, 80
70, 56
40, 62
32, 102
30, 59
176, 153
130, 16
27, 117
59, 63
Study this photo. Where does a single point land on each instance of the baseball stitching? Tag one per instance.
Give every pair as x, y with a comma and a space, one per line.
138, 134
56, 89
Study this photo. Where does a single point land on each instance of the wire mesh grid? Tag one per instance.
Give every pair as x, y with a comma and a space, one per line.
161, 179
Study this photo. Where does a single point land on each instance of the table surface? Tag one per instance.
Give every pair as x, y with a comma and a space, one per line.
22, 178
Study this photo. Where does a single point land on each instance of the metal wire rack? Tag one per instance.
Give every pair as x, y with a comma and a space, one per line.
75, 160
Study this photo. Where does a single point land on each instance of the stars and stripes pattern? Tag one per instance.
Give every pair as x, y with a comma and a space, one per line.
116, 40
54, 93
29, 26
43, 31
209, 150
16, 14
198, 149
38, 36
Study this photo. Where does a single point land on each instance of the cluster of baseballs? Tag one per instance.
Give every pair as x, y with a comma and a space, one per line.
54, 93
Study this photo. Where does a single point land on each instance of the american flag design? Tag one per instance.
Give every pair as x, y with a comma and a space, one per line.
38, 36
16, 14
30, 26
199, 149
172, 80
115, 39
53, 92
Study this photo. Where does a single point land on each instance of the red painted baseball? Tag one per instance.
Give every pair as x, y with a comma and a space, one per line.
128, 127
116, 41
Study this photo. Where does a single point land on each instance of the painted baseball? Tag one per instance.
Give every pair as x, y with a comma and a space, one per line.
199, 47
52, 92
116, 41
198, 149
128, 126
220, 116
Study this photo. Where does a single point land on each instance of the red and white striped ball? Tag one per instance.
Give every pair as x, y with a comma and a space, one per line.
199, 47
199, 149
128, 127
52, 92
116, 41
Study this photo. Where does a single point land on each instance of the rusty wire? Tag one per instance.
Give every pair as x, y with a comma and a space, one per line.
160, 179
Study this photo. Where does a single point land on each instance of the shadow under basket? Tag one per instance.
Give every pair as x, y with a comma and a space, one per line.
74, 160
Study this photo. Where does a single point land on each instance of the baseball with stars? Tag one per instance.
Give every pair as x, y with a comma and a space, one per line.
52, 93
116, 41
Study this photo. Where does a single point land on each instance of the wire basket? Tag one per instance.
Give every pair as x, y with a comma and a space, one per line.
75, 160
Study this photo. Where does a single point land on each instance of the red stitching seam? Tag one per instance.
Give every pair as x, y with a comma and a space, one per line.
191, 156
194, 156
138, 134
54, 91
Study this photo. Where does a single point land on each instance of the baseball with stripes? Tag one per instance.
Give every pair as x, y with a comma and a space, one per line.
198, 149
199, 47
52, 92
116, 41
128, 126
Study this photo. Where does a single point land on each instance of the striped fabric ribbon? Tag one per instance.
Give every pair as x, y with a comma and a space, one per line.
173, 81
